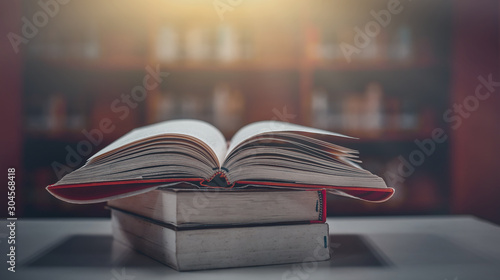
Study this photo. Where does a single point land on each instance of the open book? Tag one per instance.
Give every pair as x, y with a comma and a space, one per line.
267, 153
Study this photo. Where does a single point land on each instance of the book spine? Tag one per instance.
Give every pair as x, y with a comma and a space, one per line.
218, 180
321, 207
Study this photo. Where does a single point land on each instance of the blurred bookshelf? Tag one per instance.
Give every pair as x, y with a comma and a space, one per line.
265, 59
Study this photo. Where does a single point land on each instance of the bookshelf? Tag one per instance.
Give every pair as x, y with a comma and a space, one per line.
260, 62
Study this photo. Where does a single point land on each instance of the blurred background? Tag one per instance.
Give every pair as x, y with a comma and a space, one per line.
389, 72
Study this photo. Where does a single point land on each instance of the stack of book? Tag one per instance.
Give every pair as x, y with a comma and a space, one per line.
258, 199
192, 229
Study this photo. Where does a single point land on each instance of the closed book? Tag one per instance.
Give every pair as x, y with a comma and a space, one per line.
185, 207
209, 248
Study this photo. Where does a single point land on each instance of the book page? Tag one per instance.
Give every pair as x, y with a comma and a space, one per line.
200, 130
256, 128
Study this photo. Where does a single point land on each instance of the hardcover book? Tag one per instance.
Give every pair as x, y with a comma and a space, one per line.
265, 154
191, 207
199, 248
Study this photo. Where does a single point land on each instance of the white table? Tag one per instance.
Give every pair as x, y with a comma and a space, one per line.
423, 248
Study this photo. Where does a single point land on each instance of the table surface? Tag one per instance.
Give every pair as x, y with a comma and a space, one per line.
443, 247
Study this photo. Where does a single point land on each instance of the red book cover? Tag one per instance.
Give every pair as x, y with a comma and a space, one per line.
183, 151
103, 191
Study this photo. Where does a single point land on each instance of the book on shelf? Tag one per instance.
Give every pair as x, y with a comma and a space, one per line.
196, 248
188, 206
266, 154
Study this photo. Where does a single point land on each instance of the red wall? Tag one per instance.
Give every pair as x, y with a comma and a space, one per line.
475, 152
10, 93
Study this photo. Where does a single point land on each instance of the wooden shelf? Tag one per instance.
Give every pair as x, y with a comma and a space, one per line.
109, 64
384, 137
73, 136
375, 65
123, 64
117, 64
232, 66
65, 136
